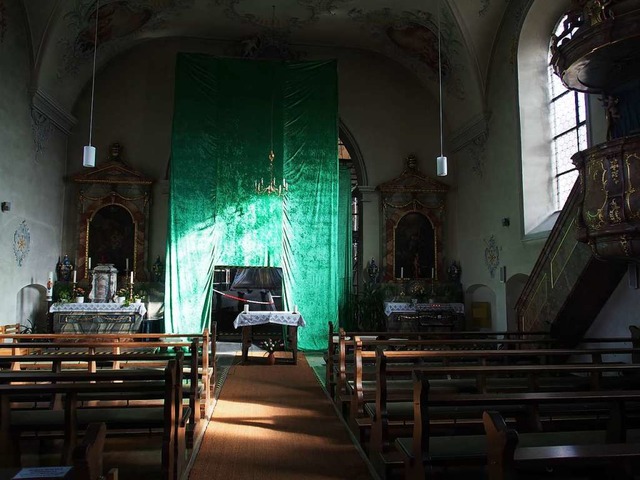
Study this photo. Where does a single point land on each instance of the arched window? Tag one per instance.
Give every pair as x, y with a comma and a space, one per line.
567, 116
553, 121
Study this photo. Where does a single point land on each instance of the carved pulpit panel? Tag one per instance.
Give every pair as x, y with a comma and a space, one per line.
413, 208
113, 217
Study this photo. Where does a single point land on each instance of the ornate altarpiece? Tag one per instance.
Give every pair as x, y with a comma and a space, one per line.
116, 192
413, 209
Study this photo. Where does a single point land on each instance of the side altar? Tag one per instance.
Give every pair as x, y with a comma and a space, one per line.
97, 317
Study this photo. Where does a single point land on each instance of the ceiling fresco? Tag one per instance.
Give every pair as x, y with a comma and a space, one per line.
406, 31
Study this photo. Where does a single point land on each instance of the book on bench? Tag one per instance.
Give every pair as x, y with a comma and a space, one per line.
49, 473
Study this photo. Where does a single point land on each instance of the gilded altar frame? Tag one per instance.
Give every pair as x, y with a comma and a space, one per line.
114, 184
412, 193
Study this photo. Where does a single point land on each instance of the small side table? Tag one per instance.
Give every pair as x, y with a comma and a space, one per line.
247, 320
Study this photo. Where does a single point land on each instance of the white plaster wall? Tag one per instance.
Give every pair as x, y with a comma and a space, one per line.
33, 185
384, 107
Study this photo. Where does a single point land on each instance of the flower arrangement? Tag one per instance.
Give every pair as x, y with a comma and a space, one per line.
78, 291
271, 345
122, 292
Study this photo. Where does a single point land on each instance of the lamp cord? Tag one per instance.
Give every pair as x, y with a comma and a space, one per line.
440, 79
93, 77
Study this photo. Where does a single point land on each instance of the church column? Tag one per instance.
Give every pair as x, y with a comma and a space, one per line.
370, 233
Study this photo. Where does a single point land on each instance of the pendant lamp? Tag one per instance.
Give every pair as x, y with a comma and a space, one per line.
89, 152
441, 161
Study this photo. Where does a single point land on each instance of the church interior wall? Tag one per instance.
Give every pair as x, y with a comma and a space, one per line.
32, 181
386, 109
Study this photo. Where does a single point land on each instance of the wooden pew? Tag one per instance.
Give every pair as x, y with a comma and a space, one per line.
336, 357
508, 452
127, 360
165, 384
340, 344
345, 370
392, 404
87, 456
127, 342
423, 451
362, 389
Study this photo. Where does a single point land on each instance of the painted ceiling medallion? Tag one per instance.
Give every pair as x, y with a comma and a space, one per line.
120, 22
21, 243
413, 36
492, 255
300, 13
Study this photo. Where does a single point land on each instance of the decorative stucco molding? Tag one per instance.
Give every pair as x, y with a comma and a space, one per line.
41, 126
470, 131
45, 105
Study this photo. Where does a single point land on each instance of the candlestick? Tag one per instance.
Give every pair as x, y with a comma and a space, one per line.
131, 279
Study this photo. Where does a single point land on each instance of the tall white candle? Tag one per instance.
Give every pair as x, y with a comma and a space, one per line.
433, 273
89, 263
131, 280
401, 272
74, 276
50, 285
126, 264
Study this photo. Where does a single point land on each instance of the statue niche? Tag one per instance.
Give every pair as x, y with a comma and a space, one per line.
413, 207
113, 217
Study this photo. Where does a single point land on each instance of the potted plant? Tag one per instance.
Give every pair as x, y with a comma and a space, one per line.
122, 295
78, 293
271, 346
62, 292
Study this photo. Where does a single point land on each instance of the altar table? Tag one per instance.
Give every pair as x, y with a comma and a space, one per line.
97, 317
408, 316
247, 320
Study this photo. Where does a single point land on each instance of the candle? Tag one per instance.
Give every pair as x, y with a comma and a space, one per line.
89, 263
126, 264
433, 273
401, 272
246, 308
295, 309
74, 276
131, 278
50, 286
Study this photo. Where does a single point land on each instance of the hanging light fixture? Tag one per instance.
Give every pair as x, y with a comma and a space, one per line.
89, 152
441, 161
272, 187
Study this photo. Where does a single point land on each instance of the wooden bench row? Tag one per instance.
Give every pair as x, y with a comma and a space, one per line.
589, 445
517, 366
168, 416
462, 392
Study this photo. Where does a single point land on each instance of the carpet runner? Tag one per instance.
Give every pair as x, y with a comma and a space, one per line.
276, 422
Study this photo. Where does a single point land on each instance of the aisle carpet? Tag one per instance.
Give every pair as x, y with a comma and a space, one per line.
276, 422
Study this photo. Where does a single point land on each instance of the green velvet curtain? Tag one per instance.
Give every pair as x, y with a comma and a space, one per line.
228, 114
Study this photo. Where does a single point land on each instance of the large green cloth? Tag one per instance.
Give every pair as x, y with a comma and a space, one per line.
228, 114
